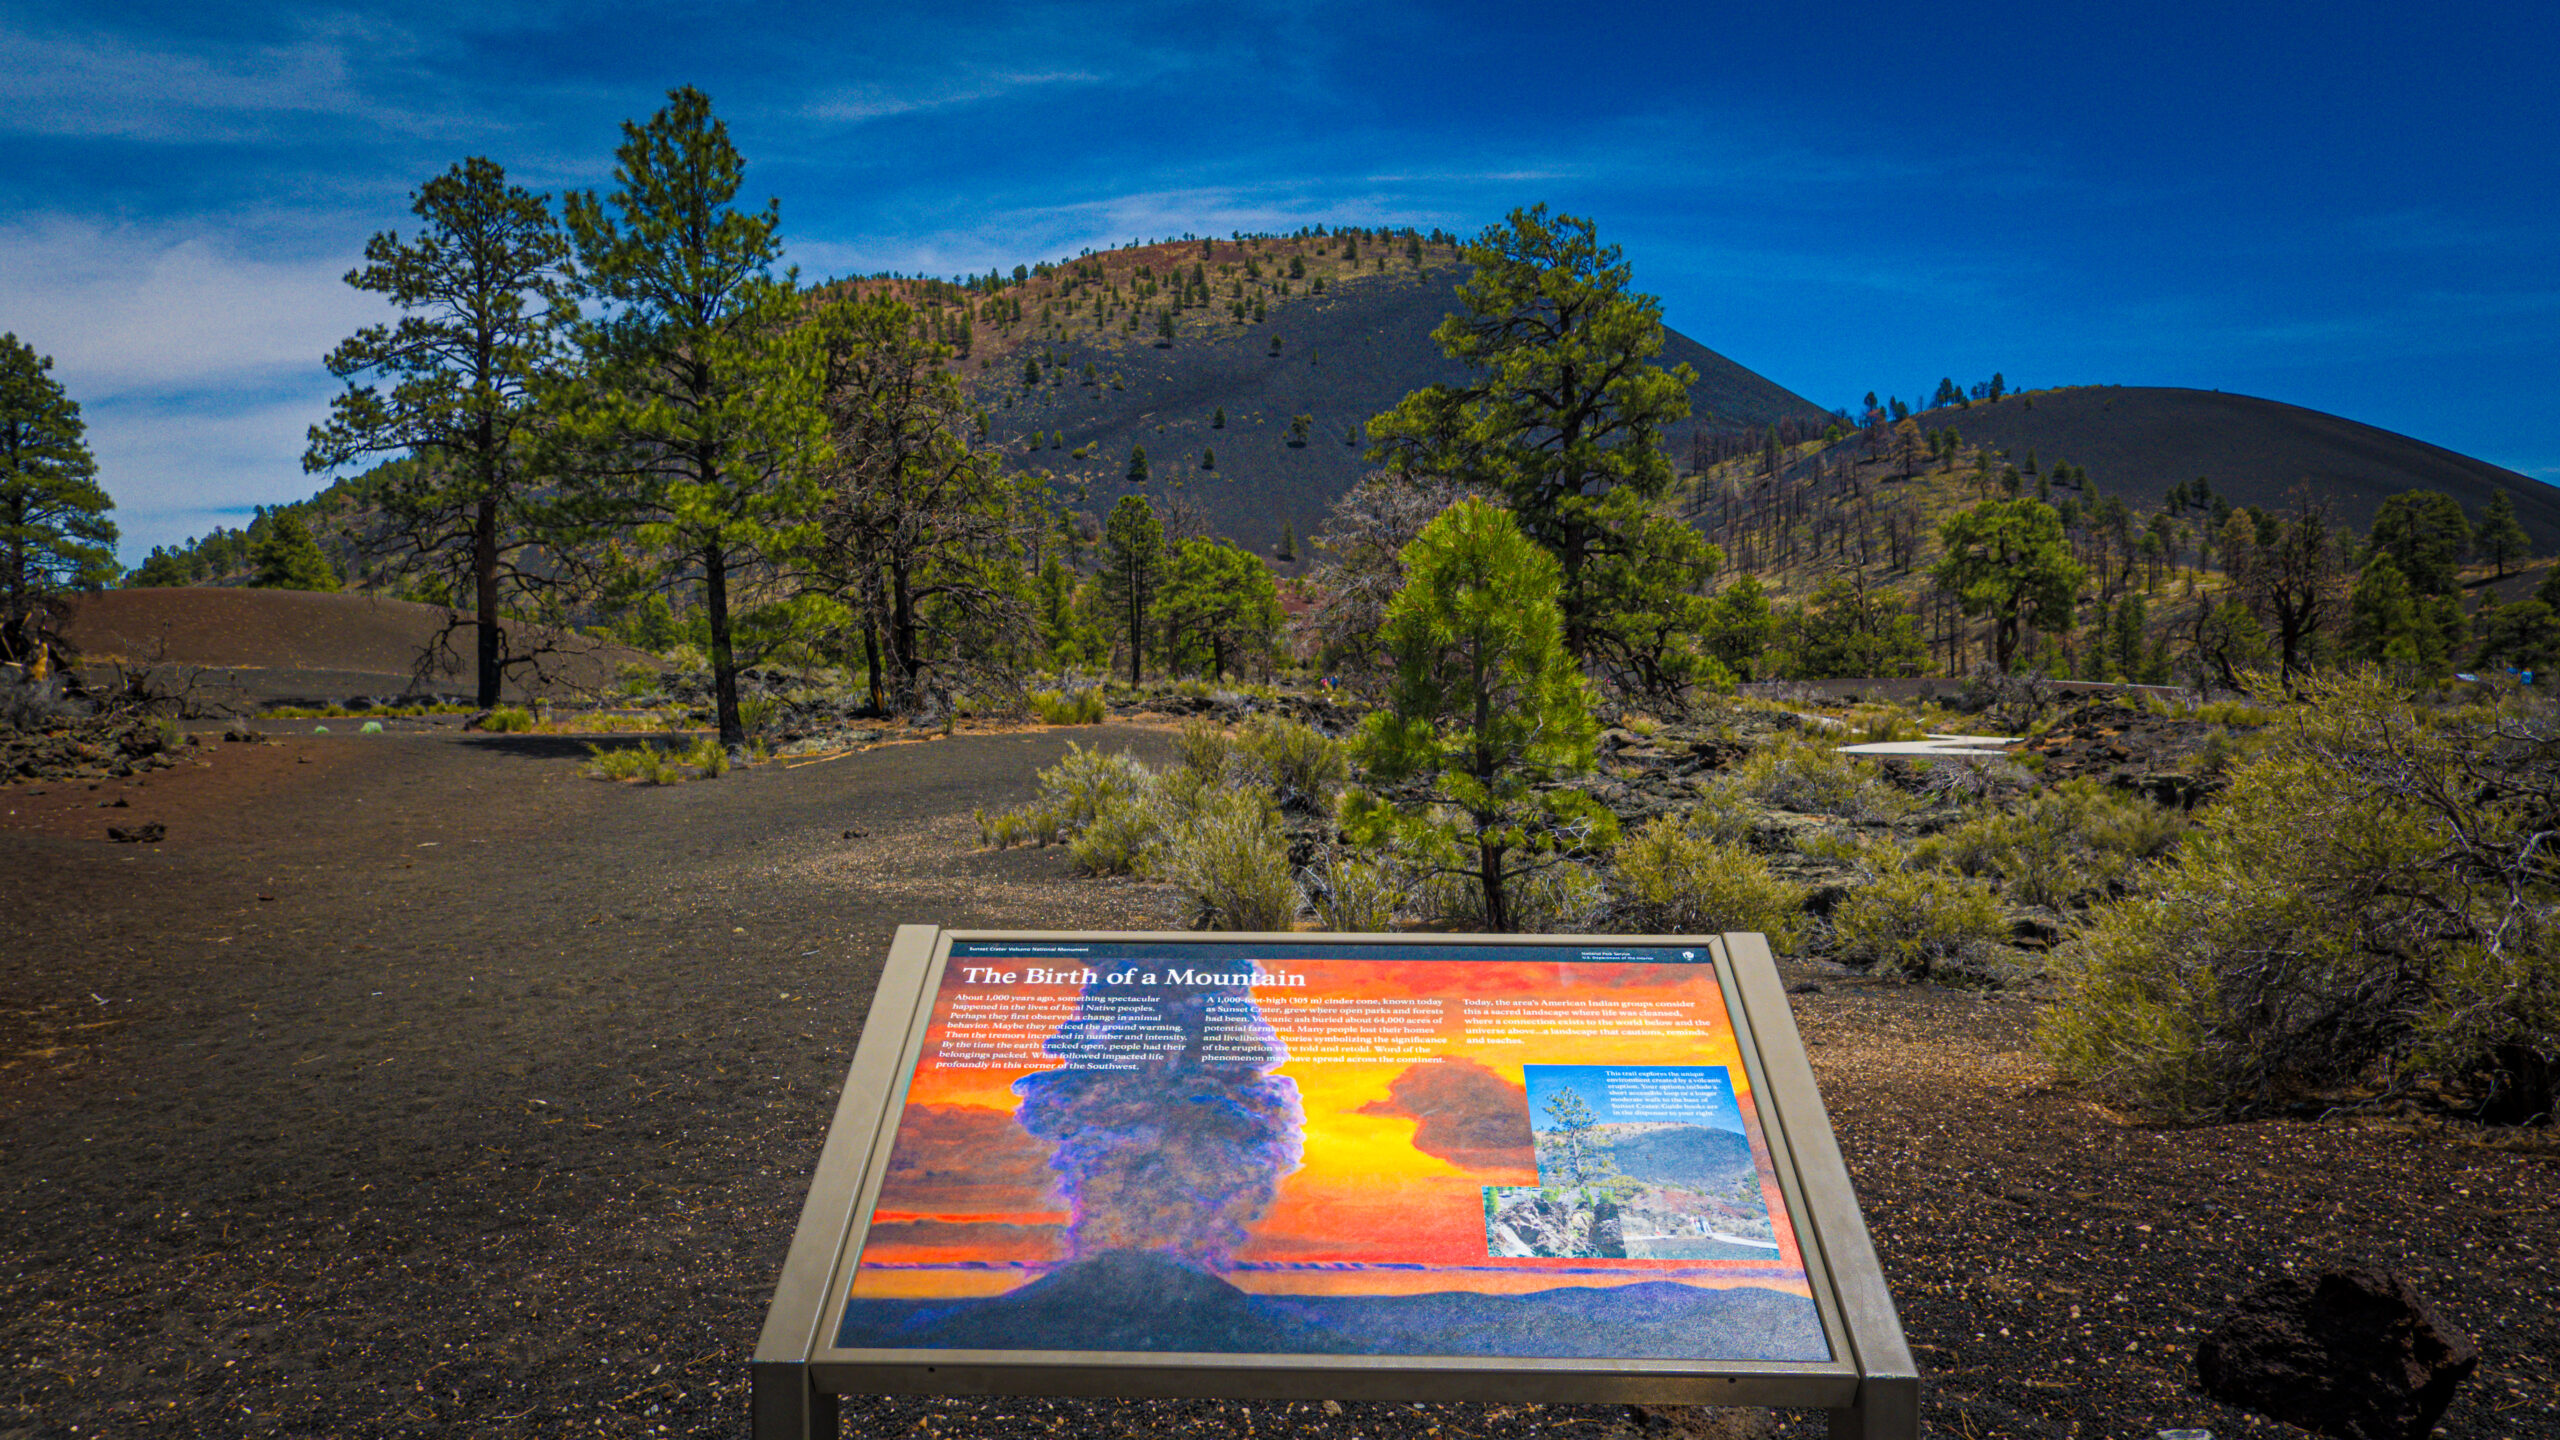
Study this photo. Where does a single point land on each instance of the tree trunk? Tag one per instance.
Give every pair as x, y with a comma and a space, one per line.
902, 634
724, 665
484, 574
1497, 904
871, 659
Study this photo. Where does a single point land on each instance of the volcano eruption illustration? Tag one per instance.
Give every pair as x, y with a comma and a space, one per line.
1170, 1134
1170, 1131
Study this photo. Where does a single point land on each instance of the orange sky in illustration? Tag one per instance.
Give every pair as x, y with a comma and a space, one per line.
1364, 1194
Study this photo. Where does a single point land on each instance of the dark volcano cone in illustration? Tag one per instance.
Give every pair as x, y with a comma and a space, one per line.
1126, 1300
1171, 1133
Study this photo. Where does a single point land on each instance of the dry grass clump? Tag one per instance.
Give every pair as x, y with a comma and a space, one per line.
1058, 707
1812, 778
1230, 860
1925, 926
2074, 840
658, 764
1669, 879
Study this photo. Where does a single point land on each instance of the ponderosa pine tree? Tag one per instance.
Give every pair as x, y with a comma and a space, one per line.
1219, 607
699, 425
2427, 535
1487, 704
1133, 560
924, 532
288, 558
2499, 537
2008, 559
54, 534
1565, 417
466, 363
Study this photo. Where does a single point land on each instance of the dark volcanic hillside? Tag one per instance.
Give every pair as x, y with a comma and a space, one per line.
2137, 441
1344, 357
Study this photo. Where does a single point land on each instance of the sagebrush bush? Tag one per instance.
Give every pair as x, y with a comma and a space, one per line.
1566, 896
1811, 778
32, 705
645, 763
1205, 748
1562, 895
1360, 891
1670, 880
1072, 794
1083, 707
1230, 860
2073, 840
1923, 925
1121, 839
1299, 764
1721, 814
2371, 902
1883, 725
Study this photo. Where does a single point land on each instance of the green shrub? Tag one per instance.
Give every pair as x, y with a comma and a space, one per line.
1923, 925
756, 713
1812, 778
1296, 761
1883, 725
2235, 712
706, 757
507, 719
645, 763
2074, 840
2370, 902
1721, 814
1360, 891
1230, 861
1205, 748
1670, 880
1055, 707
1121, 839
1073, 793
1005, 829
1565, 896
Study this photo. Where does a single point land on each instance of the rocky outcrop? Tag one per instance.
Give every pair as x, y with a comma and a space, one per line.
2352, 1353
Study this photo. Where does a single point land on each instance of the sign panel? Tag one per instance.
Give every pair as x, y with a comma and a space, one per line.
1510, 1168
1310, 1149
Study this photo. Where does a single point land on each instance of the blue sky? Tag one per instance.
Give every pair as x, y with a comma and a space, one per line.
2345, 206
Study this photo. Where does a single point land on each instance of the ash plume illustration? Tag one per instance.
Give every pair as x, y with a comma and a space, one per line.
1171, 1135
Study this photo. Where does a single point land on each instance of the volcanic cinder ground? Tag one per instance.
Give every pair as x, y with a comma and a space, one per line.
416, 1084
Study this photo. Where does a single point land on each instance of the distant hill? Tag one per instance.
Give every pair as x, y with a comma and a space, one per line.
269, 645
1345, 355
2137, 441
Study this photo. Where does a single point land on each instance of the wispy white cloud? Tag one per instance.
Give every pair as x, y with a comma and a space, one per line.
178, 467
860, 103
197, 368
123, 307
95, 84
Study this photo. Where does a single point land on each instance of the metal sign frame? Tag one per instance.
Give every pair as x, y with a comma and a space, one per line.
1870, 1386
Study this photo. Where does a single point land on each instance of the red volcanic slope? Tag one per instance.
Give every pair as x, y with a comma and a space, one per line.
295, 630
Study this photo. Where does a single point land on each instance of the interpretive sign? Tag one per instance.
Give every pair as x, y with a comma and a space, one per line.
1357, 1166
